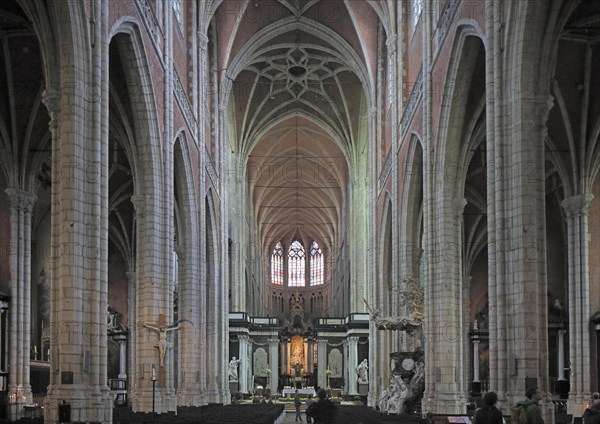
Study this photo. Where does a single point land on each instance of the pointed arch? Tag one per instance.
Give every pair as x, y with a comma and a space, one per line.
411, 218
189, 290
146, 152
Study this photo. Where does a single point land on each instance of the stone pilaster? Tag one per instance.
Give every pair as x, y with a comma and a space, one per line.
131, 338
122, 342
19, 390
274, 365
352, 364
576, 212
245, 370
322, 379
188, 393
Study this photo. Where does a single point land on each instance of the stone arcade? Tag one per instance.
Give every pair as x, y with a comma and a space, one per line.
304, 185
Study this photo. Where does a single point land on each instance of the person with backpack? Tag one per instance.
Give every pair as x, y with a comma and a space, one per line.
297, 404
488, 413
592, 414
322, 410
529, 409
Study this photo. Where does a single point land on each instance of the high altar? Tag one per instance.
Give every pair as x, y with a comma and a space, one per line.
298, 352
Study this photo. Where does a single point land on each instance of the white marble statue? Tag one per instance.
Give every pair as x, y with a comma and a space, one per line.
363, 371
398, 395
383, 400
233, 369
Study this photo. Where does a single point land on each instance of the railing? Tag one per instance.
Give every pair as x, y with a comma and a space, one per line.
119, 385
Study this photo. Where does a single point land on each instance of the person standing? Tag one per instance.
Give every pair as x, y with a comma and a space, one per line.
309, 401
488, 413
592, 414
297, 404
531, 406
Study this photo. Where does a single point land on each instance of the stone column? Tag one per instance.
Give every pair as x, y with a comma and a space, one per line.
3, 324
202, 329
245, 386
284, 356
476, 342
322, 362
305, 348
309, 357
189, 392
21, 206
122, 341
561, 355
352, 364
79, 235
274, 365
576, 211
131, 337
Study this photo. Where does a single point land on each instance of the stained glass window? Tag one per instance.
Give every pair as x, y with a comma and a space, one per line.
296, 265
316, 264
277, 265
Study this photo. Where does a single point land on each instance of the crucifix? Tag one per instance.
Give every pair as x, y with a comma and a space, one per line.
163, 342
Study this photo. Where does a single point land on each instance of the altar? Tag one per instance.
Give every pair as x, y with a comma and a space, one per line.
289, 391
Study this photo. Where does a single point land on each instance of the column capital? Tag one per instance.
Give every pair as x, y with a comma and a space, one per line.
203, 40
51, 99
273, 341
353, 339
391, 43
21, 200
243, 338
131, 277
461, 204
577, 205
139, 204
543, 105
180, 249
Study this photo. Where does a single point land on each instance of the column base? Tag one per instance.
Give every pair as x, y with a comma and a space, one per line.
576, 405
189, 396
443, 405
214, 396
84, 404
164, 400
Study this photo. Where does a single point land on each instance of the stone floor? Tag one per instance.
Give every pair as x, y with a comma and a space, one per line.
359, 415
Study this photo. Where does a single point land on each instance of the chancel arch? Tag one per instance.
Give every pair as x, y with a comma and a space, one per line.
207, 201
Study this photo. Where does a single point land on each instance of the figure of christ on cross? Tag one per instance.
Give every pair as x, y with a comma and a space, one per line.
163, 342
